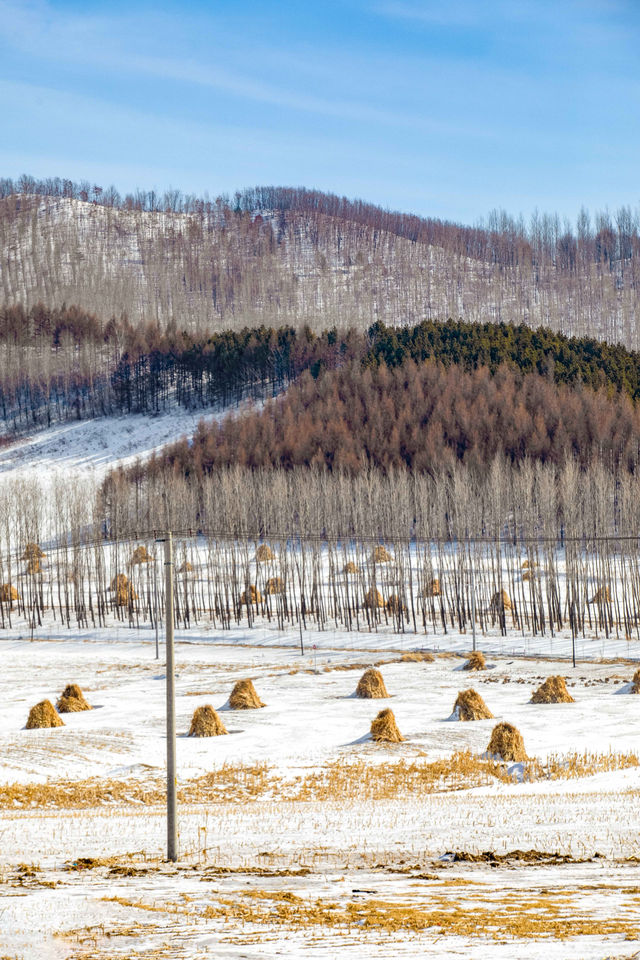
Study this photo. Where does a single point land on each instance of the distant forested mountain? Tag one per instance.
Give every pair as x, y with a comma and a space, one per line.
278, 256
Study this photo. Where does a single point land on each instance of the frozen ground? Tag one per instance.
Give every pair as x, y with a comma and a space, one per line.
374, 875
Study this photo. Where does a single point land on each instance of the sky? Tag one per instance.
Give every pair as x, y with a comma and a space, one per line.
446, 108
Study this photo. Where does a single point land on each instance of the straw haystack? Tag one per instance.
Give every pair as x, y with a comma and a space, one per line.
417, 656
186, 567
244, 696
264, 553
141, 555
501, 601
206, 723
635, 683
476, 661
601, 595
72, 700
553, 690
506, 743
371, 685
33, 551
469, 705
385, 728
395, 605
43, 715
251, 595
528, 565
373, 598
433, 588
8, 593
381, 555
350, 567
527, 576
123, 589
33, 567
274, 585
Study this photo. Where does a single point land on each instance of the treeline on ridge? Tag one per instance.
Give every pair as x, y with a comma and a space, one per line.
417, 417
66, 362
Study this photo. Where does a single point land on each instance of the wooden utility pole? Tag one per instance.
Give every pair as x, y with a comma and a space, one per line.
172, 830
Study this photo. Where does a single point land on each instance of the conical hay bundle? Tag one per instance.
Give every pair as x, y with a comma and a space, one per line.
373, 598
384, 727
33, 551
206, 723
371, 685
476, 661
33, 567
141, 555
72, 700
469, 705
274, 585
350, 567
553, 690
381, 555
251, 595
433, 588
395, 605
264, 553
119, 582
43, 715
244, 696
527, 576
125, 594
501, 601
506, 742
601, 595
528, 565
8, 593
186, 567
417, 656
635, 683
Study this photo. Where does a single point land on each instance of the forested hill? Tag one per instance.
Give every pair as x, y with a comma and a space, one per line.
277, 256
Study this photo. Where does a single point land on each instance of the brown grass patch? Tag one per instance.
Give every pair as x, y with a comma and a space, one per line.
206, 723
469, 705
43, 715
476, 661
506, 742
416, 656
72, 700
385, 728
244, 696
371, 685
553, 690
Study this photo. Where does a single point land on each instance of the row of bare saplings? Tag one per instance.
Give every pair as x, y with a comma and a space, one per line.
535, 588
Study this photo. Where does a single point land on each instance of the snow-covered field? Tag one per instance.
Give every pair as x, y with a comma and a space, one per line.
299, 836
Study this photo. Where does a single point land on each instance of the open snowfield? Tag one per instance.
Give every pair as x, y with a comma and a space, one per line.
299, 836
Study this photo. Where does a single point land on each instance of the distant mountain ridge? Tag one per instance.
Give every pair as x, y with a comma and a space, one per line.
279, 256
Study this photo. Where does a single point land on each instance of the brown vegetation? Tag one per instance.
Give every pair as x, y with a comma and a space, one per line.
553, 690
506, 742
206, 723
469, 705
371, 685
244, 696
43, 715
385, 728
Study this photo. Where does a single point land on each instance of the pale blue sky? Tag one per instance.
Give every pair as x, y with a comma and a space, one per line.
440, 108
